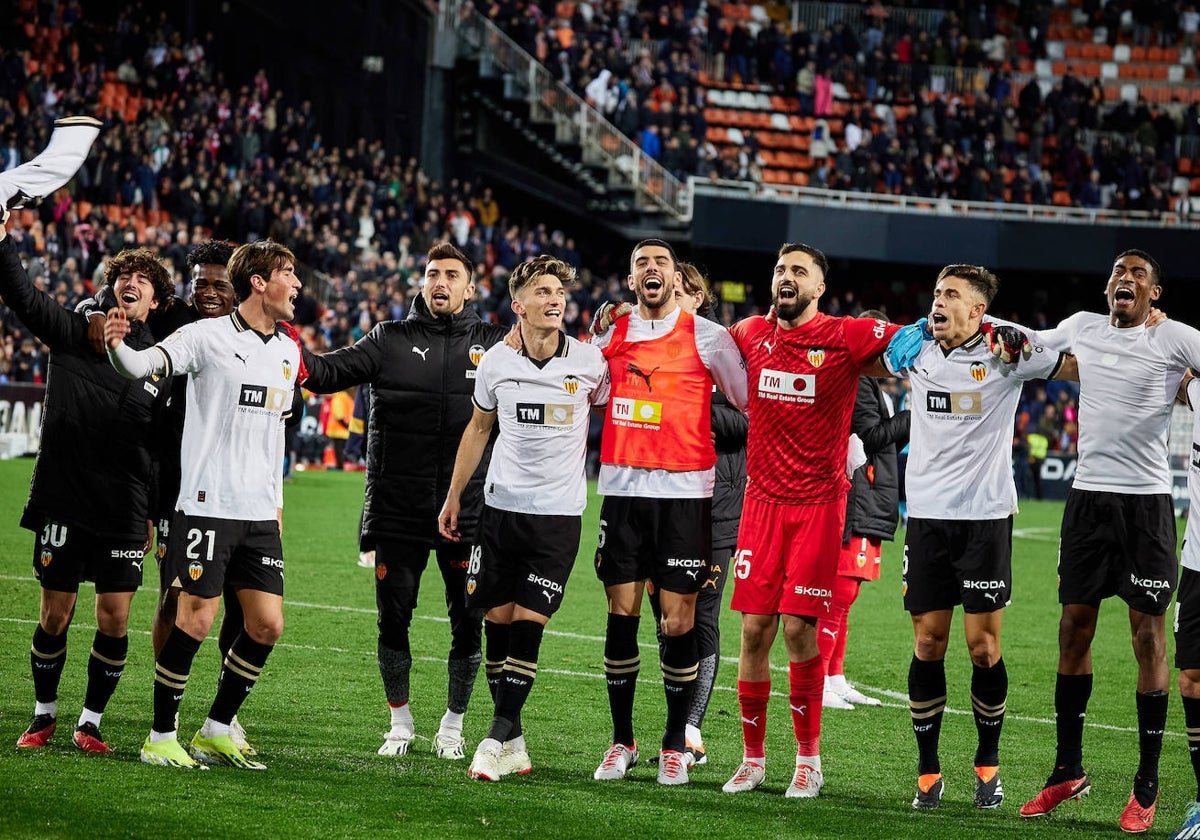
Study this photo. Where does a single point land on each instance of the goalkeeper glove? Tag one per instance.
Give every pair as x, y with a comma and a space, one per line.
1007, 343
906, 344
607, 314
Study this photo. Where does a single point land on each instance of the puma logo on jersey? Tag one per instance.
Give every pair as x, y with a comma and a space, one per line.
240, 358
420, 352
768, 346
637, 371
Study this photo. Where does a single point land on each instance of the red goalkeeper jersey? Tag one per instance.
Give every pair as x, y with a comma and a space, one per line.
803, 383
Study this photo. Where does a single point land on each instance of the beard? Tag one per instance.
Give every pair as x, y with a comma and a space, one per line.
790, 310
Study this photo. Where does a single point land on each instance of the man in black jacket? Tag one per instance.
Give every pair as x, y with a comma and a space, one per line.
421, 372
89, 501
871, 517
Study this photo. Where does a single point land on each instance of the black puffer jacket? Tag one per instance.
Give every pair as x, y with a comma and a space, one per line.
729, 427
422, 374
94, 467
872, 506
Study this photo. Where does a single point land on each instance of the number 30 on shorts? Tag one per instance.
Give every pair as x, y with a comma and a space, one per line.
741, 564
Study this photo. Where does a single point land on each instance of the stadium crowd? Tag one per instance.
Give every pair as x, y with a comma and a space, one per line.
902, 133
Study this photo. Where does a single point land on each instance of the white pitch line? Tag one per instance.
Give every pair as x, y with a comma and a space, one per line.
1038, 534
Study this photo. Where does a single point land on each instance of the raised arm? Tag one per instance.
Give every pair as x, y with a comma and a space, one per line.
130, 363
54, 325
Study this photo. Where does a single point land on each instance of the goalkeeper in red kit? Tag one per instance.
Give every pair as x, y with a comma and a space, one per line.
803, 369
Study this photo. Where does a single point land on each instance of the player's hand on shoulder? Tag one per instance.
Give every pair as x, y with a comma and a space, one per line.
1156, 317
906, 345
513, 338
607, 314
1008, 344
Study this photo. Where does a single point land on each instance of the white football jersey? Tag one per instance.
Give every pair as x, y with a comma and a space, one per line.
1191, 538
1128, 379
964, 405
540, 454
239, 390
721, 356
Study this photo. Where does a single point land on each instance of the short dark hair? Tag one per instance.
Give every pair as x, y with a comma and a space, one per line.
694, 281
526, 272
977, 277
214, 252
446, 251
262, 258
874, 314
143, 260
1138, 252
818, 256
661, 243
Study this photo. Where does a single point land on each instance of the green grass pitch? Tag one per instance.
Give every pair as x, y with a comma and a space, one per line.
318, 714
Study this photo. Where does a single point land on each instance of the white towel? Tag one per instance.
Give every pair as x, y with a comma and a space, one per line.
56, 165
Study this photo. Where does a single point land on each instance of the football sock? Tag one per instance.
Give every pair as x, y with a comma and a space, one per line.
1152, 720
831, 629
240, 672
989, 693
752, 701
927, 704
520, 670
401, 715
706, 676
105, 665
462, 671
394, 667
232, 622
622, 662
496, 638
46, 660
806, 683
1071, 695
1191, 720
678, 660
170, 677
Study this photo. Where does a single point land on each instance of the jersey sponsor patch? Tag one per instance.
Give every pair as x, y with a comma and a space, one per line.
966, 404
263, 398
636, 413
788, 387
549, 414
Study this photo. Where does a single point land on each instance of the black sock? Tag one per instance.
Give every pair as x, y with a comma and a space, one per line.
622, 662
495, 637
1191, 719
1071, 695
679, 660
171, 672
232, 622
105, 665
46, 660
1152, 720
927, 704
240, 672
516, 679
989, 692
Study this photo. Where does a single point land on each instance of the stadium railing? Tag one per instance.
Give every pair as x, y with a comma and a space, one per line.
882, 202
575, 121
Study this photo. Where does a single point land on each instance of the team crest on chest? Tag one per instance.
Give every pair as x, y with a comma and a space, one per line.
287, 369
475, 353
816, 357
978, 371
570, 384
